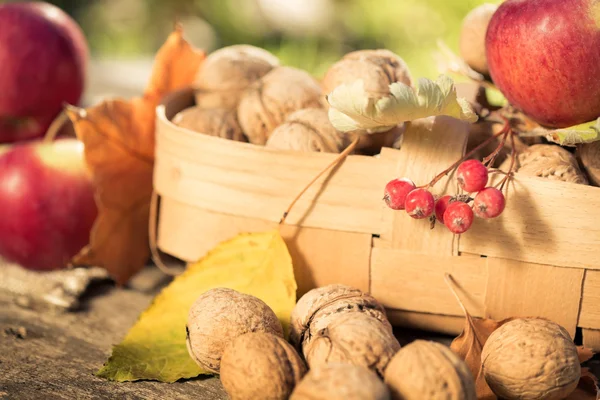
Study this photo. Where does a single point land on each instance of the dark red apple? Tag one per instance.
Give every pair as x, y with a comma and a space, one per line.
544, 56
43, 61
47, 203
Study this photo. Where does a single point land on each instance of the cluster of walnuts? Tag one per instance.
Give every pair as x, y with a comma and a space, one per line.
243, 93
341, 346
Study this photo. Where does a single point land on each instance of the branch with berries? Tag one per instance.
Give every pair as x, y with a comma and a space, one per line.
456, 211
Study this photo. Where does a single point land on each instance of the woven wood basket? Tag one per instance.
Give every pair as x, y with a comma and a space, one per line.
541, 257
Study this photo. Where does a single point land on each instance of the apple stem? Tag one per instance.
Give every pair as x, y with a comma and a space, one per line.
56, 126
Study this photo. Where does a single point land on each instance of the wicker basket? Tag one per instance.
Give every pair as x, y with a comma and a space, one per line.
540, 258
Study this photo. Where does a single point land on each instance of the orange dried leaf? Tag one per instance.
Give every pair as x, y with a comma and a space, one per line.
118, 136
469, 344
584, 353
175, 66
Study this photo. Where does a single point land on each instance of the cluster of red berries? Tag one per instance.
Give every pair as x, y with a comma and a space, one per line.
455, 212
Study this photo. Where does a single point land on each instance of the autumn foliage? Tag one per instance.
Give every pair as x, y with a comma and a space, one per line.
119, 138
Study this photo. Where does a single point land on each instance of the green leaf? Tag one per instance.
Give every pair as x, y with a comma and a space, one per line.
495, 97
258, 264
584, 133
351, 107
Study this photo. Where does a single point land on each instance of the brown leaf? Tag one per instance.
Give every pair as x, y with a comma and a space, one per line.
469, 344
584, 353
118, 136
587, 389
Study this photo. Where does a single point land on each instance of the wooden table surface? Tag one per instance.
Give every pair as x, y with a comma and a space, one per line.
47, 354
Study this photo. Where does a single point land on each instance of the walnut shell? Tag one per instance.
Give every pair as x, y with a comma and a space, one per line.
472, 37
589, 154
531, 358
353, 338
317, 307
340, 382
547, 161
219, 122
429, 370
308, 129
269, 101
260, 365
219, 316
376, 68
227, 72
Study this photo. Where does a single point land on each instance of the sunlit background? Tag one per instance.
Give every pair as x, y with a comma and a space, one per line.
309, 34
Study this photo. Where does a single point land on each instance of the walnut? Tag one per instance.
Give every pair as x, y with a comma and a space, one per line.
340, 382
547, 161
219, 316
227, 72
219, 122
268, 102
472, 37
589, 154
319, 306
260, 365
376, 68
354, 338
308, 129
429, 370
531, 358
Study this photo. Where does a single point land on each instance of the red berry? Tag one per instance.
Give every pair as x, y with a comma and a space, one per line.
472, 176
458, 217
440, 207
419, 203
489, 203
396, 191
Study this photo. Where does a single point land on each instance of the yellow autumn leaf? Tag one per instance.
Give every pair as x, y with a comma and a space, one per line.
258, 264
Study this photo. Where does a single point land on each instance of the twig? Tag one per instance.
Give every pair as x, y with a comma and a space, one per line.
505, 129
335, 162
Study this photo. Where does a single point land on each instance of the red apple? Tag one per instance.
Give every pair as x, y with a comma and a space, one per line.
544, 56
43, 61
47, 203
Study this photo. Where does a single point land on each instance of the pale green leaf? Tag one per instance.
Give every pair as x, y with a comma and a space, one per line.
495, 97
258, 264
583, 133
352, 108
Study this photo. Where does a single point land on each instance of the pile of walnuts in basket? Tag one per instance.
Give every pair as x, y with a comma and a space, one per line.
341, 346
243, 93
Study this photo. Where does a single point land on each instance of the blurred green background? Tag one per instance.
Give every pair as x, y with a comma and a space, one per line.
309, 34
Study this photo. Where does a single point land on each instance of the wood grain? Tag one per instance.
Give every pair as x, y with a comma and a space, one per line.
591, 339
518, 289
545, 222
413, 282
189, 233
589, 316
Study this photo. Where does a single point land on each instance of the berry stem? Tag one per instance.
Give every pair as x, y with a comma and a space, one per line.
513, 156
505, 130
489, 160
332, 164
